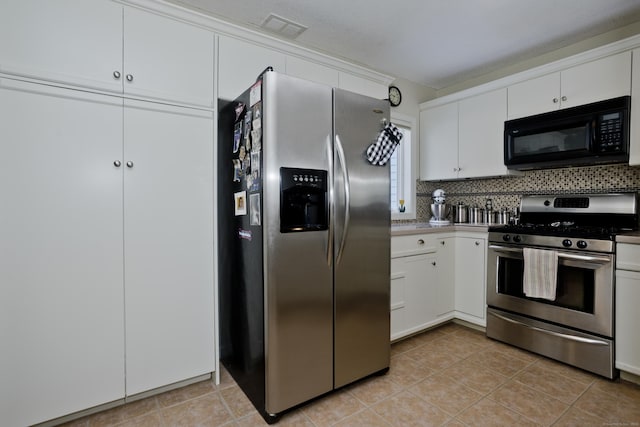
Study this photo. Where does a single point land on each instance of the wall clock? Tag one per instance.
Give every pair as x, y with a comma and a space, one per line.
395, 96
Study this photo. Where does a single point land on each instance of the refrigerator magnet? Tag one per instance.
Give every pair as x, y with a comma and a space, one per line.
237, 170
256, 140
254, 206
239, 109
237, 136
255, 94
240, 199
245, 234
247, 124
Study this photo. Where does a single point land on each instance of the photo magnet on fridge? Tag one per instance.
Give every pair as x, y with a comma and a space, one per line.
255, 94
237, 170
240, 199
237, 136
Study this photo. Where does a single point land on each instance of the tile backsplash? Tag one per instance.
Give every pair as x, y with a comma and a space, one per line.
506, 192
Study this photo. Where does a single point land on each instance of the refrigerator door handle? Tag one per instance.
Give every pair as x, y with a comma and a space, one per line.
347, 196
329, 146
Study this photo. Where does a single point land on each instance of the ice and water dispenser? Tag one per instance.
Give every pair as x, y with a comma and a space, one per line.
304, 200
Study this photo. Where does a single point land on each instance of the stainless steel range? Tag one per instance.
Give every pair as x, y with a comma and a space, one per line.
551, 279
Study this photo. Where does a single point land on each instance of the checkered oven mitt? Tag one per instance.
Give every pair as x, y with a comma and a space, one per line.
381, 151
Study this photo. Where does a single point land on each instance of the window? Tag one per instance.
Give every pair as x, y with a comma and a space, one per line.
403, 185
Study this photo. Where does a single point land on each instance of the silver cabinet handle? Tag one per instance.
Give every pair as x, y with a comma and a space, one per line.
420, 241
129, 77
117, 163
116, 74
564, 98
129, 164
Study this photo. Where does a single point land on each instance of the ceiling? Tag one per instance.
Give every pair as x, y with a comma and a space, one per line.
437, 43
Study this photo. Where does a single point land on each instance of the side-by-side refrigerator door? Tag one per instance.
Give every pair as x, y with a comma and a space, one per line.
362, 240
297, 130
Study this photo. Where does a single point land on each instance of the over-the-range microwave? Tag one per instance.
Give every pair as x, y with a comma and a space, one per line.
591, 134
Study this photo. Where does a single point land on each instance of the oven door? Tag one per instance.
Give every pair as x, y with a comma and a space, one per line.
584, 292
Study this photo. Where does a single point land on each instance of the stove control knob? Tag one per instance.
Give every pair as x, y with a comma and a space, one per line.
506, 237
582, 244
517, 238
567, 243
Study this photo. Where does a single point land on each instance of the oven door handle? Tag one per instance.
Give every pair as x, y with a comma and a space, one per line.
566, 255
552, 333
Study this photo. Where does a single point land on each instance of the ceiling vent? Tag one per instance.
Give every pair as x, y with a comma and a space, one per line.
282, 26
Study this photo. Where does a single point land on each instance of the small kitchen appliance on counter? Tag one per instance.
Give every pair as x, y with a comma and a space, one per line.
568, 315
439, 209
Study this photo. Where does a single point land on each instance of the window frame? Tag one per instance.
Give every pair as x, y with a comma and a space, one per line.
407, 155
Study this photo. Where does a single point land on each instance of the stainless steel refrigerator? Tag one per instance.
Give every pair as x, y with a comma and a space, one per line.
304, 241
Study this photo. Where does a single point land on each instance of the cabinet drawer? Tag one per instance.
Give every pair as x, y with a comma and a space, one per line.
412, 245
628, 256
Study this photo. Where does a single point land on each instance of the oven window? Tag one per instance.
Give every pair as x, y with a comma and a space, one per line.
575, 289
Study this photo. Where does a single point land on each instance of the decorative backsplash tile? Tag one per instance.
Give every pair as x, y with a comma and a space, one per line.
506, 192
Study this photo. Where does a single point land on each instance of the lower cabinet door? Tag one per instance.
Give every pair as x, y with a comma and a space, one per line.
168, 244
61, 303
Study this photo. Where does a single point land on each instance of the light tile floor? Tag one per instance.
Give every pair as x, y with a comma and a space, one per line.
451, 375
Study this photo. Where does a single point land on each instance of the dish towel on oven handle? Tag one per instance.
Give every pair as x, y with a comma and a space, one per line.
382, 149
540, 273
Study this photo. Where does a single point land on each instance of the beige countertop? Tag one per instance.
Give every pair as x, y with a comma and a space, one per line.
425, 227
630, 237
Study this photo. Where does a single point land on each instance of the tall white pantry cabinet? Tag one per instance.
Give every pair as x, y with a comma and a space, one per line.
106, 206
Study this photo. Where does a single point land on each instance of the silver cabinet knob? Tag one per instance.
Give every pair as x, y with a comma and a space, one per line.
564, 98
129, 164
116, 74
477, 243
129, 77
442, 243
433, 263
555, 100
421, 242
117, 163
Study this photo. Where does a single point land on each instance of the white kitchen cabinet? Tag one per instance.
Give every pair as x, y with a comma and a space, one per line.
597, 80
481, 135
413, 283
73, 42
167, 60
464, 139
445, 274
97, 252
470, 277
312, 71
627, 313
102, 45
168, 244
363, 86
240, 64
634, 140
61, 250
439, 142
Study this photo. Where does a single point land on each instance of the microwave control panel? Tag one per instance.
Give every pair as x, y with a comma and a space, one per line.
610, 132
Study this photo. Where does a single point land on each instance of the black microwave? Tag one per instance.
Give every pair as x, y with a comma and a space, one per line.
591, 134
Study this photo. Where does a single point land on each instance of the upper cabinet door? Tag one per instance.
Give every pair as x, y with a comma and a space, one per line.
481, 130
74, 42
535, 96
312, 71
597, 80
240, 64
167, 60
439, 142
